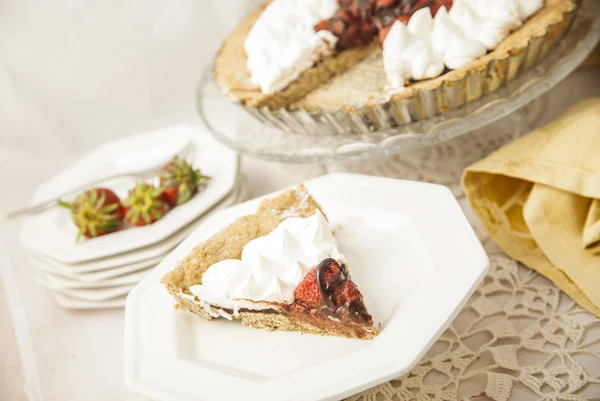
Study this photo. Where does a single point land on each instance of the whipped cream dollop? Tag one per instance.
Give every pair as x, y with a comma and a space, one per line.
271, 267
283, 44
424, 47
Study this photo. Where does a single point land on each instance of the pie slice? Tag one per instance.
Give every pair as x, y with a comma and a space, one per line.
279, 268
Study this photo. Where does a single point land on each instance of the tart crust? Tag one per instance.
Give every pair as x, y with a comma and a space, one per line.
228, 244
344, 82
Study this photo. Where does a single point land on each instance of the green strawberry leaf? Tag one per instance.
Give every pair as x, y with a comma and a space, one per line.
100, 202
109, 226
64, 204
110, 208
93, 196
155, 214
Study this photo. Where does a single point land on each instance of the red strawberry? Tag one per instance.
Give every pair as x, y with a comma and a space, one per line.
383, 3
95, 212
346, 292
172, 196
180, 181
342, 297
144, 204
308, 292
357, 21
351, 25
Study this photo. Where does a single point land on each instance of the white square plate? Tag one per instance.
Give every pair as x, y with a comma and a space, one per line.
68, 302
97, 277
53, 234
99, 295
52, 280
412, 253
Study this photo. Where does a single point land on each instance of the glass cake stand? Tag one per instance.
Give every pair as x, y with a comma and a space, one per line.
239, 130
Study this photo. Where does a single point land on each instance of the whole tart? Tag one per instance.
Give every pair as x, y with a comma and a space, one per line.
349, 90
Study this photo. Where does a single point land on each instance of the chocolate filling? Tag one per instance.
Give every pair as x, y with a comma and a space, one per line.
337, 309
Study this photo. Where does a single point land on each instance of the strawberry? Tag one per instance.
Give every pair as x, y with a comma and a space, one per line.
144, 204
95, 212
334, 293
358, 21
352, 25
346, 292
180, 181
308, 293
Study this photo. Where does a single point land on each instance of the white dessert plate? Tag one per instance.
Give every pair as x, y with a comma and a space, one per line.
55, 280
71, 303
46, 264
88, 294
52, 233
409, 248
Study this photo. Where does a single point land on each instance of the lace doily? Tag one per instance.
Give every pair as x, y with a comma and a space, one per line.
442, 163
518, 338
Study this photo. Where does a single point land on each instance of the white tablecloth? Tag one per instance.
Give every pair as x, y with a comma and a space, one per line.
74, 74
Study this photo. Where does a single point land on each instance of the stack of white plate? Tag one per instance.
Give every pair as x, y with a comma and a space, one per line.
100, 272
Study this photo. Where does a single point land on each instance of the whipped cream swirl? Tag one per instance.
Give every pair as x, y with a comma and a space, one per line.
424, 47
271, 266
283, 44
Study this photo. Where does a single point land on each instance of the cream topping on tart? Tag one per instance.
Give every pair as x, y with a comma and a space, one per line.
425, 46
421, 38
271, 267
283, 43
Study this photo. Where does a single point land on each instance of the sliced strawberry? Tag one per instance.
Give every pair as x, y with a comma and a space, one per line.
308, 292
347, 292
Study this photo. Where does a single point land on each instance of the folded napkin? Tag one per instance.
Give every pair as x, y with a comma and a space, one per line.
593, 60
539, 199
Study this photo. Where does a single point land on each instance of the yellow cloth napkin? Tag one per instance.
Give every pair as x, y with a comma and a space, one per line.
539, 199
593, 60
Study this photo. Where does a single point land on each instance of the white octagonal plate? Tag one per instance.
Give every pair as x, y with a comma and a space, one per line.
409, 248
53, 234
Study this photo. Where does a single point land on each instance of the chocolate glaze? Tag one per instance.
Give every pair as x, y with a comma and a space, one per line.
324, 287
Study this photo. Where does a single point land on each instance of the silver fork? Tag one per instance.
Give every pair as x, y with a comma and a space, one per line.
39, 207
